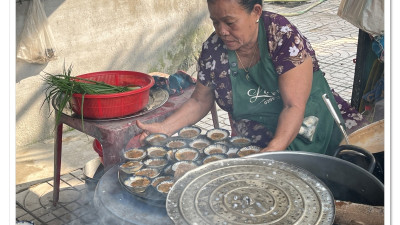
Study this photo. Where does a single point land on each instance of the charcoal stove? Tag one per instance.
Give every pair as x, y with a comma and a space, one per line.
295, 196
115, 205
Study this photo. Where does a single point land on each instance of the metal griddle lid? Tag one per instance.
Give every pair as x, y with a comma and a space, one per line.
250, 191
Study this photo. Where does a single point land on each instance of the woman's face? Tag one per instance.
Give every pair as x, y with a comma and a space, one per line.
233, 24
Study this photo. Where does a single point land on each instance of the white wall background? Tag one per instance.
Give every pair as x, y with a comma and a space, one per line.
100, 35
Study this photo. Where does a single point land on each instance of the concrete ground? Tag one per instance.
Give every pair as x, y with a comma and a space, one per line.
35, 162
334, 40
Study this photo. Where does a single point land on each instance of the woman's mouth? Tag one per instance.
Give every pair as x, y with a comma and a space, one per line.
229, 43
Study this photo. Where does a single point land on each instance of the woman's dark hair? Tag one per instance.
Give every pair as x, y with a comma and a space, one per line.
246, 4
249, 4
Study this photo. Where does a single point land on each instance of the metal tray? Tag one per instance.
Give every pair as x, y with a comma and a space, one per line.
250, 191
157, 98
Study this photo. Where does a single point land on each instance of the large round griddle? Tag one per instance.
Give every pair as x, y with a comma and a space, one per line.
250, 191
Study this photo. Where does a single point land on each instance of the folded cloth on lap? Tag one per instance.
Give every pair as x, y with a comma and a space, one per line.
174, 83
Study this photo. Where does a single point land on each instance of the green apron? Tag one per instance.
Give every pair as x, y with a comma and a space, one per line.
257, 98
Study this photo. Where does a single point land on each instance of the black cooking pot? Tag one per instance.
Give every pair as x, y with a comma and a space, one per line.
373, 162
347, 181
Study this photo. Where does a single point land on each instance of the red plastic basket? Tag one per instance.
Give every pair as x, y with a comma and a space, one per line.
105, 106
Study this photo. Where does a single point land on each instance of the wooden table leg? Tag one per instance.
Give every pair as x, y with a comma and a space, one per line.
214, 115
57, 163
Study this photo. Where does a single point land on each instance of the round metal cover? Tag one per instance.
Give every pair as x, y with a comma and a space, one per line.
250, 191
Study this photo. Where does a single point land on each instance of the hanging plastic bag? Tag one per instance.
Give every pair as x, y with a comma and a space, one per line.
36, 43
367, 15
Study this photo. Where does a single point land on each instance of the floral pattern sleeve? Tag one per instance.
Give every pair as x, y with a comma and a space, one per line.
287, 46
213, 71
207, 62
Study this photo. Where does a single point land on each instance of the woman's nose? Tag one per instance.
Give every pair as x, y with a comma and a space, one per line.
221, 30
224, 33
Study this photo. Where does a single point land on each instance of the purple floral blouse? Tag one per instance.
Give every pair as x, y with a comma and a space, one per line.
287, 48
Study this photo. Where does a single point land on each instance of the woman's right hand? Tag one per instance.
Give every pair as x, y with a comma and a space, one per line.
192, 111
148, 129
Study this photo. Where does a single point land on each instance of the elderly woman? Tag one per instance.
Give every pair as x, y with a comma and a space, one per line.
260, 69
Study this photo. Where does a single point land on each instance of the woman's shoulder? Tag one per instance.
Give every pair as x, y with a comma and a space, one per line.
274, 18
213, 42
213, 47
287, 45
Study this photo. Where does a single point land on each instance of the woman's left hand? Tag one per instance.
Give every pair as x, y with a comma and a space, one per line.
269, 150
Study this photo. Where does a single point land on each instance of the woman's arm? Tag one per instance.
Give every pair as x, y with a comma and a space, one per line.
192, 111
295, 87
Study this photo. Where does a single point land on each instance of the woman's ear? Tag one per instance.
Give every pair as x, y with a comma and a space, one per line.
257, 9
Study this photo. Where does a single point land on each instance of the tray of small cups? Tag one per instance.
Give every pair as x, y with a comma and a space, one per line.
150, 171
141, 169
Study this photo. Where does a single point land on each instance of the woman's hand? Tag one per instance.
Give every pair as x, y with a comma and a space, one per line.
269, 149
192, 111
148, 129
